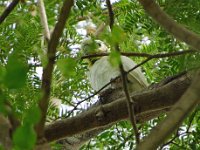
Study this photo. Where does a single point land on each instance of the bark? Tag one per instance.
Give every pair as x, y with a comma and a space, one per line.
149, 104
5, 139
174, 118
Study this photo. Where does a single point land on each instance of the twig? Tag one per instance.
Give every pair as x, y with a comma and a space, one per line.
76, 106
111, 13
191, 120
179, 146
124, 141
43, 18
171, 54
138, 65
47, 71
8, 10
171, 140
130, 102
170, 25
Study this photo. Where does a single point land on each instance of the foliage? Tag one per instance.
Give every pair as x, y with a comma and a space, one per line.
22, 47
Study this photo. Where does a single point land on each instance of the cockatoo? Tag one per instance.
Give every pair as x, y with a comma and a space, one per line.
102, 72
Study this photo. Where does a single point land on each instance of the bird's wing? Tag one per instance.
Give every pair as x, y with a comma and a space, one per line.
135, 75
101, 73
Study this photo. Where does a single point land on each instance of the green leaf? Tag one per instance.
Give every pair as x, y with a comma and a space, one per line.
67, 67
43, 56
2, 73
1, 147
34, 114
106, 134
24, 138
118, 35
114, 58
89, 47
16, 73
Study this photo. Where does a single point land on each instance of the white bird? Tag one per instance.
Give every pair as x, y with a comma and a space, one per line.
102, 72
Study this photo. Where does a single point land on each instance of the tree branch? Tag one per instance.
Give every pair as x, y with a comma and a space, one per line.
111, 14
43, 18
146, 103
130, 105
149, 57
170, 25
174, 118
5, 139
47, 71
8, 10
171, 54
129, 101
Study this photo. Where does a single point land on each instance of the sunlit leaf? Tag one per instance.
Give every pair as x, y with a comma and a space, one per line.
114, 58
34, 114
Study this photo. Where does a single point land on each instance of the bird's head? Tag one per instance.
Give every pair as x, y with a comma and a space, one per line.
93, 47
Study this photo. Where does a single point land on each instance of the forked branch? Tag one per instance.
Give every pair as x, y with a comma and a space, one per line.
48, 69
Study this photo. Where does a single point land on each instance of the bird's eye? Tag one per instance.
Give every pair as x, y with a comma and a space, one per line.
99, 44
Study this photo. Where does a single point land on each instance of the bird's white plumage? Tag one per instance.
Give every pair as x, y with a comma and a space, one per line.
102, 72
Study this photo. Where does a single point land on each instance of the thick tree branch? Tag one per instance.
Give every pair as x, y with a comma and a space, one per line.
8, 10
5, 139
146, 103
176, 116
47, 71
170, 25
